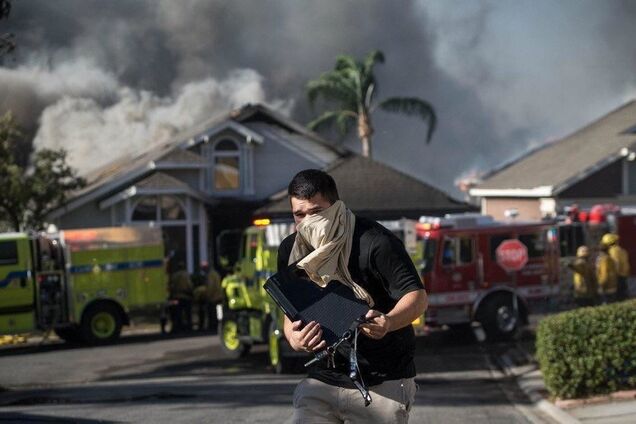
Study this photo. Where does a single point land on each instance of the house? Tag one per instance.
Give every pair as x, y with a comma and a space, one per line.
215, 176
206, 179
595, 164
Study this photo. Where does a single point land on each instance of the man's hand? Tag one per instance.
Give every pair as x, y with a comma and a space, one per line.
376, 326
409, 307
305, 339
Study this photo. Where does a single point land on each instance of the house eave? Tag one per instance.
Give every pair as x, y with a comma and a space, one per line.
623, 152
101, 190
541, 191
159, 166
136, 191
250, 136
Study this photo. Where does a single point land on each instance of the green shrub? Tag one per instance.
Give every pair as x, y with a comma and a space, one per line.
589, 351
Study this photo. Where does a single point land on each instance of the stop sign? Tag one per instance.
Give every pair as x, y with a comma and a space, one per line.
512, 255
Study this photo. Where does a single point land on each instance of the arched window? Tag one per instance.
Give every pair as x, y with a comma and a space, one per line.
158, 208
171, 209
227, 166
145, 209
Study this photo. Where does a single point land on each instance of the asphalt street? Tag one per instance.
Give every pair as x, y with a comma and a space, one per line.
150, 378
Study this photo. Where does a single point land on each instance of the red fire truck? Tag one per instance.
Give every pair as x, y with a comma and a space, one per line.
466, 282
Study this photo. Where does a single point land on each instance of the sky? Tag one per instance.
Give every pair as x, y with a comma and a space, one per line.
106, 79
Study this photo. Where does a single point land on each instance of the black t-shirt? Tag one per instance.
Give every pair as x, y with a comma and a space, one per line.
379, 263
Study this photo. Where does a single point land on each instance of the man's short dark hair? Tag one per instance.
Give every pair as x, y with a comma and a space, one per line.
306, 184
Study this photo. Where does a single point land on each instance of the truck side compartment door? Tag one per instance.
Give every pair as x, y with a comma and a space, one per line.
17, 297
458, 263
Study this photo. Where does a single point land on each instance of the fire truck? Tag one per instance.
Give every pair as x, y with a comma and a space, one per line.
465, 281
83, 284
248, 315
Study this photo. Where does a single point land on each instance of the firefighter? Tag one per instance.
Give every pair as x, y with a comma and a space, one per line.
621, 259
606, 275
584, 278
207, 294
180, 289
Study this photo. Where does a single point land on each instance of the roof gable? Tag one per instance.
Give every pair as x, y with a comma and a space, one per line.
245, 121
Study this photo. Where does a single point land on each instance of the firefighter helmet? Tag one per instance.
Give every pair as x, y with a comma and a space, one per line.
583, 251
609, 239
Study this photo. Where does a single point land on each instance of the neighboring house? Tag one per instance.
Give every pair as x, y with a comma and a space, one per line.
596, 164
215, 176
377, 191
200, 182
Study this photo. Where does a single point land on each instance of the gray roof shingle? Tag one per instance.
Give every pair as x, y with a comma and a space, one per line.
372, 188
562, 163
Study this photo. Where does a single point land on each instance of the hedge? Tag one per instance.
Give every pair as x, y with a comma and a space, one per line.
589, 351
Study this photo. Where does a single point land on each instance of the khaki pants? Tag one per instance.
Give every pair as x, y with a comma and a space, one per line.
316, 402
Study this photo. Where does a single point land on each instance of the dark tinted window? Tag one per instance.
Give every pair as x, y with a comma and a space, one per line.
146, 210
251, 243
535, 243
570, 238
457, 251
430, 245
8, 252
465, 250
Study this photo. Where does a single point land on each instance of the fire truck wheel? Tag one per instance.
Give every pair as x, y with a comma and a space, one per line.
279, 352
230, 342
498, 318
69, 334
101, 323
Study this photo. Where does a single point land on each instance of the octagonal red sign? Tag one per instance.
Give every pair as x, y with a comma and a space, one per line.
512, 255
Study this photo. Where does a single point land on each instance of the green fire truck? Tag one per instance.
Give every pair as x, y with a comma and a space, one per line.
248, 316
83, 284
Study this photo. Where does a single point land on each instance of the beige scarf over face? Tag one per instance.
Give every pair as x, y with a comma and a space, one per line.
323, 246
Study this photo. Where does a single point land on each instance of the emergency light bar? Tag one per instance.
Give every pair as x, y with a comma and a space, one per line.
455, 220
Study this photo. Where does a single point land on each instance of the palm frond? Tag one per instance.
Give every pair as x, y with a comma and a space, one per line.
332, 86
341, 118
344, 121
412, 106
345, 61
367, 76
376, 56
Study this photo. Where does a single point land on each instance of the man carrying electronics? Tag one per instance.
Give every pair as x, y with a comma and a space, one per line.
331, 243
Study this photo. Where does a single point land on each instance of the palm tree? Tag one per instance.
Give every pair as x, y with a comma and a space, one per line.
352, 86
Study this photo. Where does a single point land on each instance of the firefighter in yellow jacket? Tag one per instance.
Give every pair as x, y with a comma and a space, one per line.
606, 275
621, 259
584, 278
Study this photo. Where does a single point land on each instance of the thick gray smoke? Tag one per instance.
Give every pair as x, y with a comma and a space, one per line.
108, 77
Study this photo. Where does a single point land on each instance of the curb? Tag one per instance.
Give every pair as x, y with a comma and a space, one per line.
529, 379
612, 397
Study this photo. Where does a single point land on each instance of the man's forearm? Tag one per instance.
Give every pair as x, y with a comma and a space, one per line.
411, 306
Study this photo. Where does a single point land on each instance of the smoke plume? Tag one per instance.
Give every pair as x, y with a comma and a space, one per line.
103, 78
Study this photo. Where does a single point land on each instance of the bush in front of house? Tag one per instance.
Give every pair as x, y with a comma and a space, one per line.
589, 351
